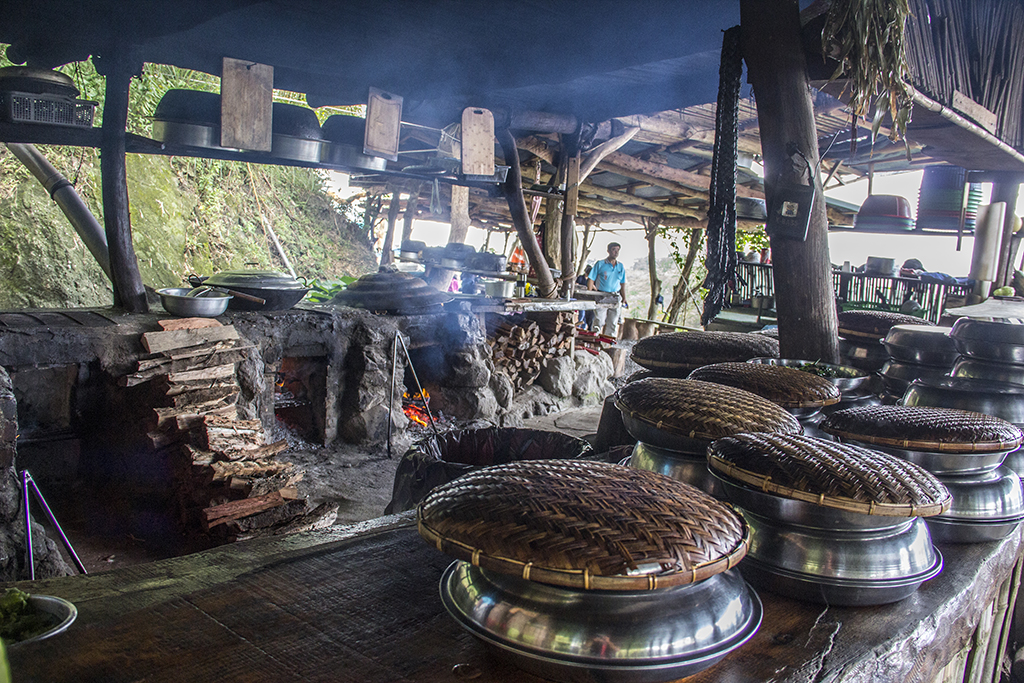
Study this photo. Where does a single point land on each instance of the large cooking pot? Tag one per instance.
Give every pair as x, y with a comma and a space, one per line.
280, 290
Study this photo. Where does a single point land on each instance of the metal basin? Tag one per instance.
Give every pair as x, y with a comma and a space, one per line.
840, 567
61, 613
921, 344
208, 305
689, 468
844, 377
951, 464
973, 368
800, 513
989, 340
999, 399
563, 634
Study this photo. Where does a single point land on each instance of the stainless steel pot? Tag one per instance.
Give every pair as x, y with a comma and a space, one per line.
688, 468
942, 463
989, 340
800, 513
564, 634
840, 567
869, 356
998, 399
897, 375
993, 371
921, 344
986, 507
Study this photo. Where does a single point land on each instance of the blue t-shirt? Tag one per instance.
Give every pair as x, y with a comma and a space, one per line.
607, 277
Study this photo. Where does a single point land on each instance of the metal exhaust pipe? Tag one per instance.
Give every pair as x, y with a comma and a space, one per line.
64, 194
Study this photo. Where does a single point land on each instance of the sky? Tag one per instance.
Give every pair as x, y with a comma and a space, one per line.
938, 253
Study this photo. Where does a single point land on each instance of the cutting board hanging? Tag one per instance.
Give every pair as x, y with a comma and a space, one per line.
477, 143
383, 124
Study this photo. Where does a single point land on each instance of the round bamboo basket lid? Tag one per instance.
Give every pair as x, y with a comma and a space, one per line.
919, 428
693, 409
788, 387
874, 324
582, 524
679, 353
829, 474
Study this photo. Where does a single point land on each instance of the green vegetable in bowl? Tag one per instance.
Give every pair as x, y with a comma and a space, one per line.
828, 371
19, 619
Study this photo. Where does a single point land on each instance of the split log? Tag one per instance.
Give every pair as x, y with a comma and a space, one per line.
237, 509
216, 372
188, 323
179, 389
322, 517
188, 421
200, 396
222, 471
156, 342
167, 416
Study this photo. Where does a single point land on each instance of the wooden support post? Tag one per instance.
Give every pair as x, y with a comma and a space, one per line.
1006, 191
411, 206
571, 152
387, 252
512, 188
442, 277
129, 294
803, 275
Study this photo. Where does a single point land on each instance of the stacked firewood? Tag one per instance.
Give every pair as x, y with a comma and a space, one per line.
227, 479
592, 342
521, 349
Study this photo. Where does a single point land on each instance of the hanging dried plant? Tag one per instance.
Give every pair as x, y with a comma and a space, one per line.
866, 37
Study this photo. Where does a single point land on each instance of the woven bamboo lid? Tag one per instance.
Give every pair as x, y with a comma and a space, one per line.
582, 524
873, 324
830, 474
942, 430
679, 353
701, 410
788, 387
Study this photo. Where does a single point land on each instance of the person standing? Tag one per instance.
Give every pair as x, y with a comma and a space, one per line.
608, 275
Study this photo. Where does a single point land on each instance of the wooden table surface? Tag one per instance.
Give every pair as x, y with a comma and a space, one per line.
361, 604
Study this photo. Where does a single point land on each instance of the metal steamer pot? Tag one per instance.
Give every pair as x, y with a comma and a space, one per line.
280, 291
989, 340
566, 634
986, 507
850, 567
921, 345
689, 468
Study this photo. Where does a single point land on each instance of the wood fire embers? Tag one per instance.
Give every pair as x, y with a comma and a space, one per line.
227, 480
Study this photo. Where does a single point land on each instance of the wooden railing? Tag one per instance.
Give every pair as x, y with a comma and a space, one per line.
857, 290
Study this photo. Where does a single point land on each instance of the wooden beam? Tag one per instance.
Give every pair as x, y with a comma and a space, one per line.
129, 292
387, 254
663, 171
573, 177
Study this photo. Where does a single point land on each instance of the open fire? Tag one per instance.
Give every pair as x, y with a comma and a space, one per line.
415, 407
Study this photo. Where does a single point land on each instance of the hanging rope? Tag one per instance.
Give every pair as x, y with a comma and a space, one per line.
721, 254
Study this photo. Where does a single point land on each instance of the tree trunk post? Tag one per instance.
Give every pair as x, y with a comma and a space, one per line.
554, 209
651, 233
802, 271
387, 255
129, 293
512, 188
442, 277
571, 153
411, 207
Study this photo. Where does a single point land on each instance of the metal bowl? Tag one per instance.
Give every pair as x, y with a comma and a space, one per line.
61, 612
207, 305
921, 344
564, 634
798, 512
651, 435
998, 399
850, 378
688, 468
840, 567
942, 463
993, 371
989, 340
897, 376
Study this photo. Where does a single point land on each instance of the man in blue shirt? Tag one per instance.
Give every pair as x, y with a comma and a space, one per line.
609, 276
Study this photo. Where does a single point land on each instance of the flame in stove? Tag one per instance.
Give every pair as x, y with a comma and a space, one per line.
415, 407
